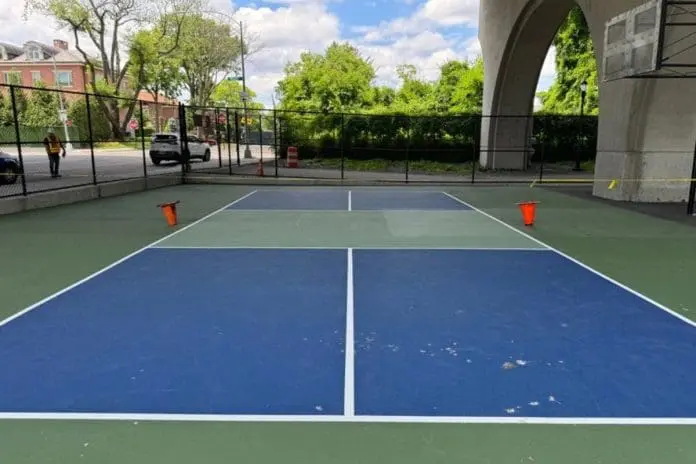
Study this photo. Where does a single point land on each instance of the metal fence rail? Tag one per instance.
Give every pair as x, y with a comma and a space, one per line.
110, 139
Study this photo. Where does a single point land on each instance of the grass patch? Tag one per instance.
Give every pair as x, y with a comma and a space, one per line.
380, 165
129, 145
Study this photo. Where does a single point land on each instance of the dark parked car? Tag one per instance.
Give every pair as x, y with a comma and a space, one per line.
10, 169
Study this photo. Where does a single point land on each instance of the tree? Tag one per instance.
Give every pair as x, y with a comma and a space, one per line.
6, 118
42, 108
575, 62
106, 25
77, 113
338, 80
208, 52
228, 93
460, 87
160, 73
415, 96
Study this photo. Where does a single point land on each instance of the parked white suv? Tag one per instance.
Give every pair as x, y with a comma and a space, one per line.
167, 147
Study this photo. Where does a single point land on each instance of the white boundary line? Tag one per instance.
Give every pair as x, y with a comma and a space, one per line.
350, 200
116, 263
387, 248
583, 265
134, 417
349, 364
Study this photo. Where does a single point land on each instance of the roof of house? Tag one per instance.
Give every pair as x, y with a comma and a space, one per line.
147, 97
12, 50
19, 54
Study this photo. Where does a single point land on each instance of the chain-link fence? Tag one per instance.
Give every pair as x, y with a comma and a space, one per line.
107, 138
53, 139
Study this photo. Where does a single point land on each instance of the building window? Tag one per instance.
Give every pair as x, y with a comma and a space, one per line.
35, 54
35, 77
13, 77
64, 78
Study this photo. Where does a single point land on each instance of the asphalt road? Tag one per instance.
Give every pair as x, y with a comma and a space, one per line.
109, 165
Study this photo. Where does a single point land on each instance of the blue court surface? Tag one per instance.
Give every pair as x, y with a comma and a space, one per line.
349, 334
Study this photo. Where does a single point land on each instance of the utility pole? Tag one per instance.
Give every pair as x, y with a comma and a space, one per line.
63, 113
247, 150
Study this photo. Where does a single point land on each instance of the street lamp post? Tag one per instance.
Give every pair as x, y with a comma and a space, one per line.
247, 150
583, 94
244, 96
63, 113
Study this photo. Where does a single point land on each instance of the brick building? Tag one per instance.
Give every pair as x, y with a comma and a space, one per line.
58, 67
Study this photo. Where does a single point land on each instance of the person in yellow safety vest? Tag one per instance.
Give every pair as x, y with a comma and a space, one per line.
54, 147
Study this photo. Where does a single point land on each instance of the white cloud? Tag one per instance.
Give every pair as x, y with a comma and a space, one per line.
284, 34
14, 29
431, 15
437, 31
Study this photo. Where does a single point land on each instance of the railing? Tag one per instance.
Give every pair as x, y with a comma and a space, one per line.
110, 138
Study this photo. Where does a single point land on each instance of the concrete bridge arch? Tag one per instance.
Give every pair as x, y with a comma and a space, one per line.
646, 127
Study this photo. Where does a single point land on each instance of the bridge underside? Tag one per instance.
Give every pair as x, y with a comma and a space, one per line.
646, 128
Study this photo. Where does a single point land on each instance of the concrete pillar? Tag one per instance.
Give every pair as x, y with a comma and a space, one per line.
647, 128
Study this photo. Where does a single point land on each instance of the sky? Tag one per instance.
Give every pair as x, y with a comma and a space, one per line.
425, 33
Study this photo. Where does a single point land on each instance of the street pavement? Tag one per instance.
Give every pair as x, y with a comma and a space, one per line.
109, 165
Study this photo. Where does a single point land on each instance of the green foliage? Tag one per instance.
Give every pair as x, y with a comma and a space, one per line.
42, 109
206, 49
575, 62
338, 80
228, 93
77, 112
153, 67
6, 118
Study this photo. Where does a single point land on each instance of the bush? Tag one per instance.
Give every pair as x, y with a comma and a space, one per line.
101, 129
447, 139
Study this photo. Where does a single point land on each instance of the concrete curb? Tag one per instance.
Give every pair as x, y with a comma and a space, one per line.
85, 193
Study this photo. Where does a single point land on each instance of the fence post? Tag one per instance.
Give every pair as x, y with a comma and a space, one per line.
229, 139
542, 139
692, 187
183, 135
236, 136
260, 134
476, 152
343, 146
275, 141
142, 136
15, 118
218, 137
91, 139
408, 144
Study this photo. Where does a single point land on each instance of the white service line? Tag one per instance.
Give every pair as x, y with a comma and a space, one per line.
579, 263
349, 375
143, 417
120, 261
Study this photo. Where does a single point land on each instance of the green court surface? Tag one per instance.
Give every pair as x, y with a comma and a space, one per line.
51, 249
354, 229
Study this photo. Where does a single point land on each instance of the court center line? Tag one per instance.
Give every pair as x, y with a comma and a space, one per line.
579, 263
349, 376
350, 200
135, 417
120, 261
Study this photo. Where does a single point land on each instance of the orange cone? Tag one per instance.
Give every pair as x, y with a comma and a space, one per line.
169, 211
528, 209
259, 169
